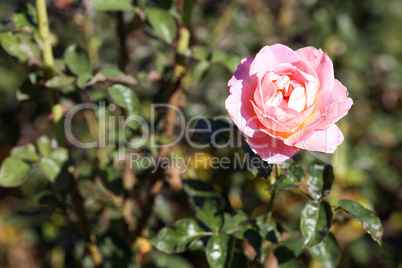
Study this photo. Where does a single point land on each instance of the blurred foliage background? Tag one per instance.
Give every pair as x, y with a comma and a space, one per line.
364, 40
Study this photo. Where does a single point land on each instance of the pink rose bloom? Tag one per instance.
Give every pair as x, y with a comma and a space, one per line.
284, 100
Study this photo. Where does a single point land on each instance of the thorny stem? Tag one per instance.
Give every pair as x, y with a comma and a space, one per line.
57, 111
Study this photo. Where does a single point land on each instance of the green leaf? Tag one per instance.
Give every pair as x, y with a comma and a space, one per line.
27, 153
177, 238
111, 5
200, 53
218, 250
370, 222
235, 222
26, 18
114, 75
13, 172
50, 168
162, 23
83, 79
254, 239
284, 182
198, 191
327, 252
210, 215
126, 98
21, 22
294, 263
229, 61
268, 231
288, 249
320, 181
60, 156
315, 222
44, 145
59, 81
112, 180
296, 172
19, 45
110, 72
257, 166
77, 60
198, 72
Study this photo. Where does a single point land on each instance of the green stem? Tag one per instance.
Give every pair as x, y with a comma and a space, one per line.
48, 60
273, 194
45, 33
57, 111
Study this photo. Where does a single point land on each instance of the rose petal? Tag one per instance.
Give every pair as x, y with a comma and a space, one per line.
324, 141
321, 64
339, 107
241, 110
269, 122
298, 138
242, 72
297, 100
323, 105
297, 119
271, 150
269, 58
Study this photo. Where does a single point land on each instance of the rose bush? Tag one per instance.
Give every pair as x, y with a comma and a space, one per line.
284, 100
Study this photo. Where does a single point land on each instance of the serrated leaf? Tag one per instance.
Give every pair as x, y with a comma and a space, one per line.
26, 152
44, 145
77, 60
327, 252
320, 181
218, 250
177, 237
284, 182
111, 5
59, 81
50, 168
370, 222
162, 23
126, 98
198, 191
210, 215
315, 222
13, 172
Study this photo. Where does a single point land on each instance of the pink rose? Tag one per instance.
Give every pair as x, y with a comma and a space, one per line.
284, 100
